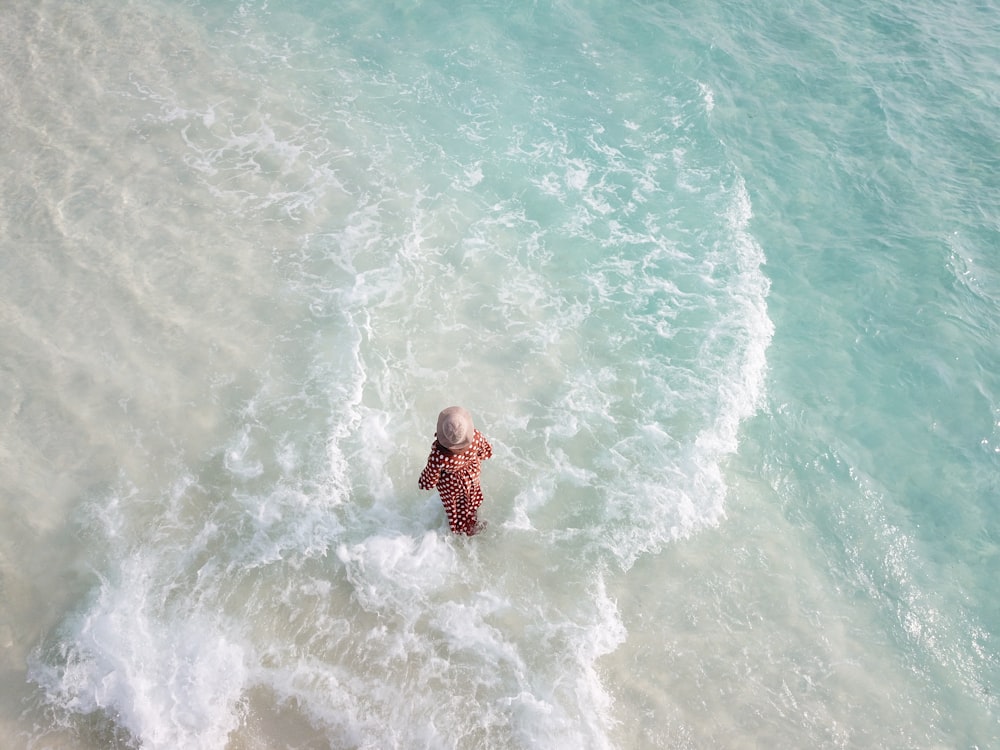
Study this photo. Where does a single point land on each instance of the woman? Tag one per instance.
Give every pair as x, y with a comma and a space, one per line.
454, 466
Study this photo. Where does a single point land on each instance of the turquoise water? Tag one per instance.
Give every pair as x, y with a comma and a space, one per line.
718, 282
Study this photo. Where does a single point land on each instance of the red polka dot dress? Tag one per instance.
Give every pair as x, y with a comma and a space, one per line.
456, 476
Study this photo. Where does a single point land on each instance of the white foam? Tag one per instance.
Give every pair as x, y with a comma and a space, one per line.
577, 174
170, 678
237, 459
708, 96
382, 569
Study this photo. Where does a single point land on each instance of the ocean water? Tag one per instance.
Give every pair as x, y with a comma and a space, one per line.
720, 282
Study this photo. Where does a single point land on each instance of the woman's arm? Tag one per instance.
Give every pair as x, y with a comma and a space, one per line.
431, 474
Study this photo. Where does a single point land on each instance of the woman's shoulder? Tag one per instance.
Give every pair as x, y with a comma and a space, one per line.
445, 455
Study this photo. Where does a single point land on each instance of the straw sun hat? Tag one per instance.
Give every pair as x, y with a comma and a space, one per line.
455, 429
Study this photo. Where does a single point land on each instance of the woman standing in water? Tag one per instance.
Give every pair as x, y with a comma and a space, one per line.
454, 466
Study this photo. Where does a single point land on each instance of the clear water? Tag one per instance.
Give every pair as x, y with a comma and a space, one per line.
720, 283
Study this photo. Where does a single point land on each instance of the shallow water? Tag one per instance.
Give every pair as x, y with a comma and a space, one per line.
718, 285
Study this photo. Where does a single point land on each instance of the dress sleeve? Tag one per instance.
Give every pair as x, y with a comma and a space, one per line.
485, 450
431, 473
